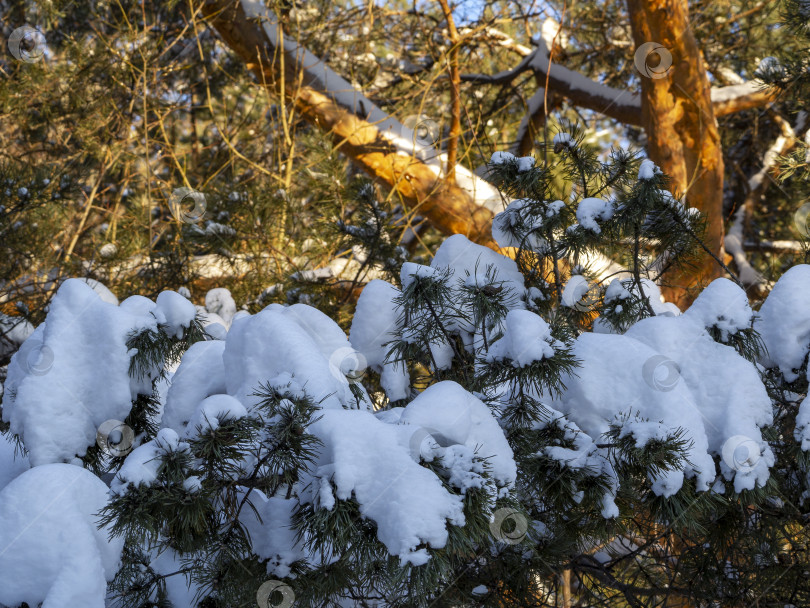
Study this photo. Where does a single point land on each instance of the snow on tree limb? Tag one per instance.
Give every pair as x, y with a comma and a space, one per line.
379, 143
614, 103
384, 147
757, 184
739, 97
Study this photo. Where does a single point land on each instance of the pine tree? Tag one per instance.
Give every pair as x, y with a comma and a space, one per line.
241, 493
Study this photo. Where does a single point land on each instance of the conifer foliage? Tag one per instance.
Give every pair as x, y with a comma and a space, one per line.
531, 429
494, 432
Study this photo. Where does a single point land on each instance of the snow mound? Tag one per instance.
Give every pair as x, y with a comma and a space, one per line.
52, 550
273, 536
201, 374
667, 373
606, 388
176, 312
527, 339
461, 265
784, 322
411, 271
578, 293
293, 348
524, 163
499, 158
102, 290
211, 412
72, 373
590, 210
465, 258
648, 169
374, 325
220, 302
142, 464
459, 418
362, 459
723, 388
722, 305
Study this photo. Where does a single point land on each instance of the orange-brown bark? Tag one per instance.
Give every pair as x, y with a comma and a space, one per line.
683, 139
448, 207
755, 99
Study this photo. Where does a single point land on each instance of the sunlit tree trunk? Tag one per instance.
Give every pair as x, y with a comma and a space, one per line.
682, 133
675, 109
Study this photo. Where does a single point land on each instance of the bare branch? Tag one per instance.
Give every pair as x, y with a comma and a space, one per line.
757, 184
455, 87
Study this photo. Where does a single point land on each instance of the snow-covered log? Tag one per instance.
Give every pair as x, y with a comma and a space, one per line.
385, 148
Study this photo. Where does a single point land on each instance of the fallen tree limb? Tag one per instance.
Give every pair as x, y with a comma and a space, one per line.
376, 141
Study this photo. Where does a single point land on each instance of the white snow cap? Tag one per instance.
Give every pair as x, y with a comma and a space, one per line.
411, 271
592, 209
52, 549
215, 326
102, 290
666, 371
177, 311
142, 464
297, 346
364, 459
220, 302
462, 419
463, 257
273, 537
499, 158
464, 265
201, 374
525, 163
648, 169
374, 325
784, 322
72, 373
735, 414
579, 293
724, 305
211, 412
563, 139
527, 339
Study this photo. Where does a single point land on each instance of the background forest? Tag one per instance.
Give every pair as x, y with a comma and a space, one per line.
129, 102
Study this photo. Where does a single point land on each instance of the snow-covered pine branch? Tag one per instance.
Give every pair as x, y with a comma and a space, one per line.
477, 432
